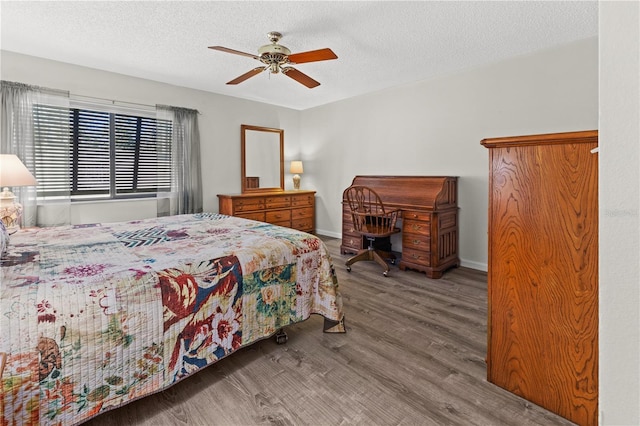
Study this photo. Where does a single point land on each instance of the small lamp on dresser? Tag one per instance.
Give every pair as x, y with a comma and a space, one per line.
296, 169
12, 173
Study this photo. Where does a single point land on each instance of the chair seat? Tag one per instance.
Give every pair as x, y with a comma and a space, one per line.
378, 232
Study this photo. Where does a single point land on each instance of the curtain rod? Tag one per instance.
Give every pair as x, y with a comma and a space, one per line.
77, 96
112, 101
34, 87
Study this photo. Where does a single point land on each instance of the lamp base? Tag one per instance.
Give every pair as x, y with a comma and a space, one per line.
296, 182
10, 213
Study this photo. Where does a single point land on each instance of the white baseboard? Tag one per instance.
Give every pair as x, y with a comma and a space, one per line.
463, 262
328, 233
474, 265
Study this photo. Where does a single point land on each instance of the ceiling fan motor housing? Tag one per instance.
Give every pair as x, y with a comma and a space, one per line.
274, 55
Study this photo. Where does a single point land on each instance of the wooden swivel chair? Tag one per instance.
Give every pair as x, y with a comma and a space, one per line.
372, 221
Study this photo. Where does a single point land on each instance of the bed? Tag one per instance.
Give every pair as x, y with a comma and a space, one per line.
96, 316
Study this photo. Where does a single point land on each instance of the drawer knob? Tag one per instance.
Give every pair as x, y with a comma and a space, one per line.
417, 227
416, 241
415, 256
415, 216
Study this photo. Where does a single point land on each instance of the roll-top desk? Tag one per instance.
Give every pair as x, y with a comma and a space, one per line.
293, 209
429, 207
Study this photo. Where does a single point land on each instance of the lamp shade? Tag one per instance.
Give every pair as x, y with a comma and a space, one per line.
14, 173
296, 167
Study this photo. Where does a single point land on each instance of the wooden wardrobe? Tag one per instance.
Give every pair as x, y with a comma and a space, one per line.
543, 271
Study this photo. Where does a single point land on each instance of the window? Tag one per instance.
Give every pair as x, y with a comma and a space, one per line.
91, 154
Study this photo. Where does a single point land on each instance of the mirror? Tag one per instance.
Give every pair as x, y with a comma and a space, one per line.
262, 150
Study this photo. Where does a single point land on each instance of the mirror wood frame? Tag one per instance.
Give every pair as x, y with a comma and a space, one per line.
244, 128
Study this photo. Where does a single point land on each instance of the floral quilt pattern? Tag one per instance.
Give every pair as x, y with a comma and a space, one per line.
95, 316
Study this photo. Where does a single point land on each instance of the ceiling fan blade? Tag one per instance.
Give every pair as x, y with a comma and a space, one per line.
312, 56
235, 52
300, 77
247, 75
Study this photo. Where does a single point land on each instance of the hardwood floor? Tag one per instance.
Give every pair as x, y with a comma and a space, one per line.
413, 354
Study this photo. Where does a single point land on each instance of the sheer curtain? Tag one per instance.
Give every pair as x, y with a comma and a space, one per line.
185, 195
19, 136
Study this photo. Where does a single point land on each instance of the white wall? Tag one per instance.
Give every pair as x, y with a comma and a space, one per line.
219, 122
435, 127
619, 227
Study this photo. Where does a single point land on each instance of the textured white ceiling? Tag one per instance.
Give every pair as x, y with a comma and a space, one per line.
379, 44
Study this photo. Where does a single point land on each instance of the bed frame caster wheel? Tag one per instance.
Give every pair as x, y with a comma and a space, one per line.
281, 337
348, 268
385, 273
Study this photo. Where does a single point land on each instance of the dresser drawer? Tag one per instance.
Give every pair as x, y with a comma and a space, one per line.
259, 216
415, 241
278, 216
304, 224
417, 257
284, 224
248, 205
416, 215
302, 200
277, 202
302, 213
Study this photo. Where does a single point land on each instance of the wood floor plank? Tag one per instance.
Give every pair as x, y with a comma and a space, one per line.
413, 355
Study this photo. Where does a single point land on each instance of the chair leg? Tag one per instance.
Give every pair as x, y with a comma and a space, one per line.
368, 254
362, 255
380, 261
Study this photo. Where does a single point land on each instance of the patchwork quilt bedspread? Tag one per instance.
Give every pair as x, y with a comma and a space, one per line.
93, 317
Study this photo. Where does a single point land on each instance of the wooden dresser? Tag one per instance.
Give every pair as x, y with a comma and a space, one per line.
543, 271
293, 209
429, 207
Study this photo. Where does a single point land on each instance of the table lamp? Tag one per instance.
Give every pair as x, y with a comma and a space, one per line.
12, 173
296, 169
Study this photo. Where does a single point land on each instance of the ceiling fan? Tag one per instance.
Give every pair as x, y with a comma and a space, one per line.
276, 58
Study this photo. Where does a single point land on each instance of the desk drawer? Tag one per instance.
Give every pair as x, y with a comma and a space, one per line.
416, 227
278, 216
416, 241
347, 228
416, 215
353, 241
417, 257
